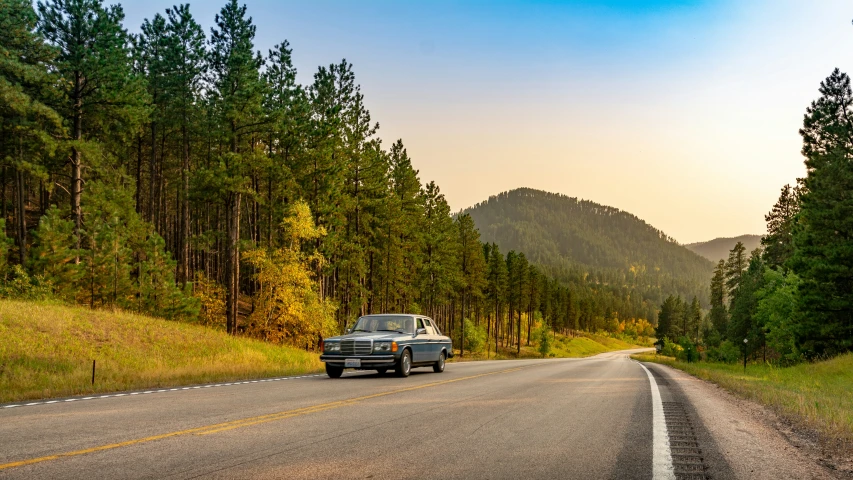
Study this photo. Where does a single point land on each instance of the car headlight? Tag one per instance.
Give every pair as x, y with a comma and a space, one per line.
382, 347
332, 346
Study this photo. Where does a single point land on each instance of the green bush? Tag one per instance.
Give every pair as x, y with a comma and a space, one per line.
544, 337
688, 351
475, 337
20, 286
727, 352
669, 348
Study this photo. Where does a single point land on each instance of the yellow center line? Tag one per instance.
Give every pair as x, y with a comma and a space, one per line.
246, 422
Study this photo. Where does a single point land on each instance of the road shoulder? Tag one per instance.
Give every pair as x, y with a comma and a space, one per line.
746, 433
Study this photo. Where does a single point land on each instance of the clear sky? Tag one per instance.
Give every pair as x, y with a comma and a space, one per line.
682, 112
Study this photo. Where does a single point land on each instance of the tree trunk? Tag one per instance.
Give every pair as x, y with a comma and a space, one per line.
152, 174
76, 163
232, 264
139, 175
185, 212
21, 216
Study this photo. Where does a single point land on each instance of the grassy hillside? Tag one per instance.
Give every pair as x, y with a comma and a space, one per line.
575, 238
47, 351
817, 395
718, 248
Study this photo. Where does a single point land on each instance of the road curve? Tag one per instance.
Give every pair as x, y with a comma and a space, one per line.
600, 417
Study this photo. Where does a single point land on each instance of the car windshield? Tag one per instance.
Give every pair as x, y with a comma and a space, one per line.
385, 323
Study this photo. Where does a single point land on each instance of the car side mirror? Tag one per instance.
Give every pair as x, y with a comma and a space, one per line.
420, 331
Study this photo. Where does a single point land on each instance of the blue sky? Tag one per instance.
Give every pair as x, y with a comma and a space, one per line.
684, 113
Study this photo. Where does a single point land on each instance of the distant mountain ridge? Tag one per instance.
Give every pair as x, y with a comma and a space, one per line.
565, 233
718, 248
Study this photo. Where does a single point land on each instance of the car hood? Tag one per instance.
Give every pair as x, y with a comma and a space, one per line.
374, 336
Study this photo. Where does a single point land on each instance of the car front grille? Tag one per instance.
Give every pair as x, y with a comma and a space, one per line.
353, 346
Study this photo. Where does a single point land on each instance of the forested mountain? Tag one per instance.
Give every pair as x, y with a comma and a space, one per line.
582, 242
718, 248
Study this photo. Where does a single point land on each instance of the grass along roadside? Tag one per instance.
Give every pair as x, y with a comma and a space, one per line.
46, 351
563, 346
816, 395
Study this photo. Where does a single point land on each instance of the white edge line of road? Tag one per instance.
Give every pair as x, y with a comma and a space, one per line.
49, 402
662, 468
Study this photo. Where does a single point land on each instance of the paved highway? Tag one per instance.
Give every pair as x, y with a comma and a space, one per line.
601, 417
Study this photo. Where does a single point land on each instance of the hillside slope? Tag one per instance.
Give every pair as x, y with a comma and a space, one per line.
47, 351
718, 248
564, 234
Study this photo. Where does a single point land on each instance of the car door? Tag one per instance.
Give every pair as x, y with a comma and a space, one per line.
420, 344
441, 341
433, 341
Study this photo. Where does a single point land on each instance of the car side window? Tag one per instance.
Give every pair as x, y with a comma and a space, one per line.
420, 323
429, 328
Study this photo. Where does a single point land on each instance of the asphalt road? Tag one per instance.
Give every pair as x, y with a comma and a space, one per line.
557, 418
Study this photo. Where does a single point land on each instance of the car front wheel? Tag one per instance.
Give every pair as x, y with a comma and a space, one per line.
404, 366
334, 372
438, 367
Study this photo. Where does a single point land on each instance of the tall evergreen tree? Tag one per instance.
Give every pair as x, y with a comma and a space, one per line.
28, 125
237, 95
778, 242
735, 267
102, 93
823, 234
185, 57
744, 305
718, 313
472, 266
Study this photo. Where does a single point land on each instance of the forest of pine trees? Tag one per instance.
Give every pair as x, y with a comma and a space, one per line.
792, 299
186, 175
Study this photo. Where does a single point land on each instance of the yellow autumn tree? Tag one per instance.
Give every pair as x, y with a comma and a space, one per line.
288, 306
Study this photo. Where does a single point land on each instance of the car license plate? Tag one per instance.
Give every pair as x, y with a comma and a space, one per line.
352, 362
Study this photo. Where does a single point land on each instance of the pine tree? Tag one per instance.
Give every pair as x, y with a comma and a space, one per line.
54, 253
439, 274
735, 267
185, 58
778, 243
472, 266
29, 127
718, 314
497, 285
744, 305
101, 92
670, 313
823, 234
237, 95
694, 322
401, 247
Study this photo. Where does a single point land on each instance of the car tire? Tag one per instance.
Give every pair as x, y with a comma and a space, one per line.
404, 366
381, 371
334, 372
438, 366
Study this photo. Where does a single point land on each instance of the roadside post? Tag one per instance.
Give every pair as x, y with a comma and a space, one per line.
745, 341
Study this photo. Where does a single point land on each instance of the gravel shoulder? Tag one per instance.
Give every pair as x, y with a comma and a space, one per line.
752, 441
